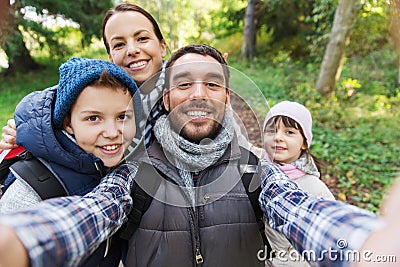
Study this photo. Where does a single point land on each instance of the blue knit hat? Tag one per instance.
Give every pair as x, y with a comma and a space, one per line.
78, 73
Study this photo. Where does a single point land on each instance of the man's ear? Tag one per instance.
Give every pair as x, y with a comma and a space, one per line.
163, 48
166, 99
228, 98
67, 124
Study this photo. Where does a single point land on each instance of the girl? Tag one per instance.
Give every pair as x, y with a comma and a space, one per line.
287, 141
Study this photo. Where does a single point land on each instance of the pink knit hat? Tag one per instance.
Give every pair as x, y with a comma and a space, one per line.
297, 112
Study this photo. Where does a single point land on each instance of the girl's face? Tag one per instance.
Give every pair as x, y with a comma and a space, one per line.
103, 122
283, 144
134, 45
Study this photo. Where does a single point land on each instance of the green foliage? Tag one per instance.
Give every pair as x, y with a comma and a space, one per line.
32, 19
355, 134
87, 13
14, 88
228, 20
370, 30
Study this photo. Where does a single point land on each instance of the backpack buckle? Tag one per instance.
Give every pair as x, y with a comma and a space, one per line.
247, 168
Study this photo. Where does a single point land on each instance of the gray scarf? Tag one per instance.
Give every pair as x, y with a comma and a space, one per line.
188, 157
306, 164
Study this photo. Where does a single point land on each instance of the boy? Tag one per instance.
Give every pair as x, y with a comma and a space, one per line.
79, 130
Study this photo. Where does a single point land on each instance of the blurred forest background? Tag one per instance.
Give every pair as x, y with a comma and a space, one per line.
340, 58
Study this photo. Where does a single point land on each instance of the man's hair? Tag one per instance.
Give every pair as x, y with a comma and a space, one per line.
126, 7
201, 49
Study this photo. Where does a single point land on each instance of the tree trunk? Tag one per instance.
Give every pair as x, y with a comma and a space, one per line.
12, 42
332, 63
249, 32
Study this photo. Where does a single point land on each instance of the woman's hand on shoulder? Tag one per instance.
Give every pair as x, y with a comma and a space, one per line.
8, 136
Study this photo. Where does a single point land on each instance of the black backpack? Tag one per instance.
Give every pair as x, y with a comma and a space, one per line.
249, 167
35, 173
47, 185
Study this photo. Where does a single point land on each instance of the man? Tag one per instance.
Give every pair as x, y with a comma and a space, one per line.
200, 214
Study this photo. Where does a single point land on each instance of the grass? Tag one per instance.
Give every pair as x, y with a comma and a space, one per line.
356, 136
13, 89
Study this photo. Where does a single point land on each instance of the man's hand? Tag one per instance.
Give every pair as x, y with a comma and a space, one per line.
12, 251
8, 135
383, 245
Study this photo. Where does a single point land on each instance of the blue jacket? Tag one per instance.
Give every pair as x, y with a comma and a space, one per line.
79, 171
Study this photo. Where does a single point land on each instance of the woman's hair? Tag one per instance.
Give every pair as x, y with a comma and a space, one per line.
289, 122
124, 7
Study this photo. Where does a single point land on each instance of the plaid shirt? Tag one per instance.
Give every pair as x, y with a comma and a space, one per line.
327, 233
63, 231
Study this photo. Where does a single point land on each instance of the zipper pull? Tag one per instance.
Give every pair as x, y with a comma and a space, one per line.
199, 258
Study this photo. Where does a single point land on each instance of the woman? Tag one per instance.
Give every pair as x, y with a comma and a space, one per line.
133, 41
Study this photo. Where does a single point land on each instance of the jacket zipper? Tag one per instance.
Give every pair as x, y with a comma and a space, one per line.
197, 253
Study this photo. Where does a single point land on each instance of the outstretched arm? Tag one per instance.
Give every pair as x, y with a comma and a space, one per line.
325, 232
64, 231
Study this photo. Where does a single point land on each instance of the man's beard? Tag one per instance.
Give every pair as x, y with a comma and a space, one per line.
198, 135
192, 132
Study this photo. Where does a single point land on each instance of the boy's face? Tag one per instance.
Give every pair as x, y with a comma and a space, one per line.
103, 122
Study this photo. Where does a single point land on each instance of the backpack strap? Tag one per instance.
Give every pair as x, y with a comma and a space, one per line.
7, 158
38, 176
249, 166
141, 198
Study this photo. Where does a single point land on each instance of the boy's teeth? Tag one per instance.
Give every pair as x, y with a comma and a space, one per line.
109, 148
197, 113
137, 64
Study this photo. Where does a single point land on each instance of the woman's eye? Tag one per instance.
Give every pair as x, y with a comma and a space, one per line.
143, 38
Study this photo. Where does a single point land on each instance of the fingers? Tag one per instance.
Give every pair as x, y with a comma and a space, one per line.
225, 56
8, 135
11, 124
